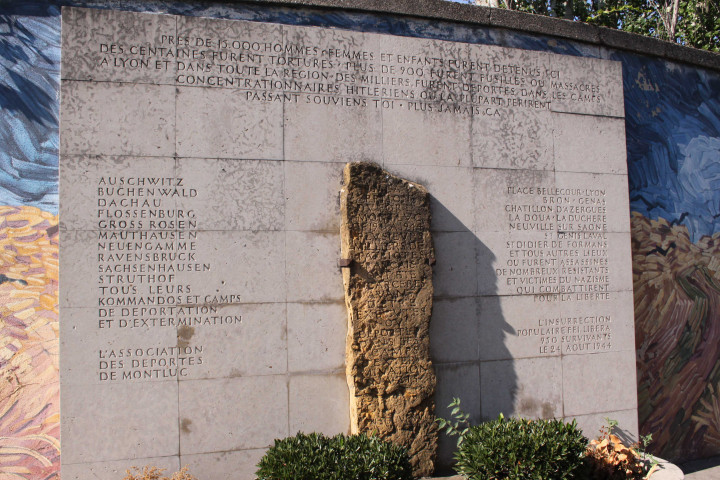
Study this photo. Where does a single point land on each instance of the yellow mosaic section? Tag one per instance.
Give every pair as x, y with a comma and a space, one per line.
29, 377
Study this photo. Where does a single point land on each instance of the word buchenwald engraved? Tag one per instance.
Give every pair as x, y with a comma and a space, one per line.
203, 310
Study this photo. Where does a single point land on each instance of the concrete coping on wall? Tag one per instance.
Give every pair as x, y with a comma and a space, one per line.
443, 10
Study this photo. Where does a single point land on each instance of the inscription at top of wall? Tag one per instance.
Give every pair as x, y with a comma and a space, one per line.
270, 63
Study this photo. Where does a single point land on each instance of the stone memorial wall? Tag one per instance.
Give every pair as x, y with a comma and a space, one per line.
202, 307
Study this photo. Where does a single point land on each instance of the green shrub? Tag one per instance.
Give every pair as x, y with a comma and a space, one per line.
520, 449
317, 457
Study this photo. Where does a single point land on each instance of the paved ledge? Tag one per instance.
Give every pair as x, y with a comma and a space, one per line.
525, 22
665, 471
705, 469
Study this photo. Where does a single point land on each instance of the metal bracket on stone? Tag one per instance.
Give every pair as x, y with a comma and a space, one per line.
344, 262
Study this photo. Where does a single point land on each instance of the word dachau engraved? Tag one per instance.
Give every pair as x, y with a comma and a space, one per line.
388, 291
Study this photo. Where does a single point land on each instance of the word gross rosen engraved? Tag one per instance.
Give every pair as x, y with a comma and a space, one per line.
388, 292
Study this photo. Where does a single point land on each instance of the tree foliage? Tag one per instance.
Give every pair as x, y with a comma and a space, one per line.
694, 23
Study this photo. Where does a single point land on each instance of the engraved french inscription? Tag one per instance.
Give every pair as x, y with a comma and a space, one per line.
200, 165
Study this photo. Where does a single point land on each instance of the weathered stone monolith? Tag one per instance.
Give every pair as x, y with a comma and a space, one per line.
387, 243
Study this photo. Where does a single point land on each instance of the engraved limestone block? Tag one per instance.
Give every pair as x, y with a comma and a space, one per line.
388, 292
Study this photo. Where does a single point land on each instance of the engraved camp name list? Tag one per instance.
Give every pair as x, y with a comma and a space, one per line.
149, 264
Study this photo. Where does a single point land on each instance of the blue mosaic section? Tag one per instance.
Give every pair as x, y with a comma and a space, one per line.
673, 142
29, 82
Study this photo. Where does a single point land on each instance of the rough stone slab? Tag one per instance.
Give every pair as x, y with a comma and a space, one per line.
388, 291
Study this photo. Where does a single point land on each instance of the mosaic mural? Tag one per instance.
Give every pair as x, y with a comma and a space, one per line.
29, 382
673, 129
673, 143
29, 390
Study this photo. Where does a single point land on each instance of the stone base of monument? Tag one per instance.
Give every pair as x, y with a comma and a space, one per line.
665, 471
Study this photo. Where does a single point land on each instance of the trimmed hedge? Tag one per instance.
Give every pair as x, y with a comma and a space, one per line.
520, 449
317, 457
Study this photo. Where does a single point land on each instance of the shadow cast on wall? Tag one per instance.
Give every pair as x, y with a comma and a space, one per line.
462, 321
